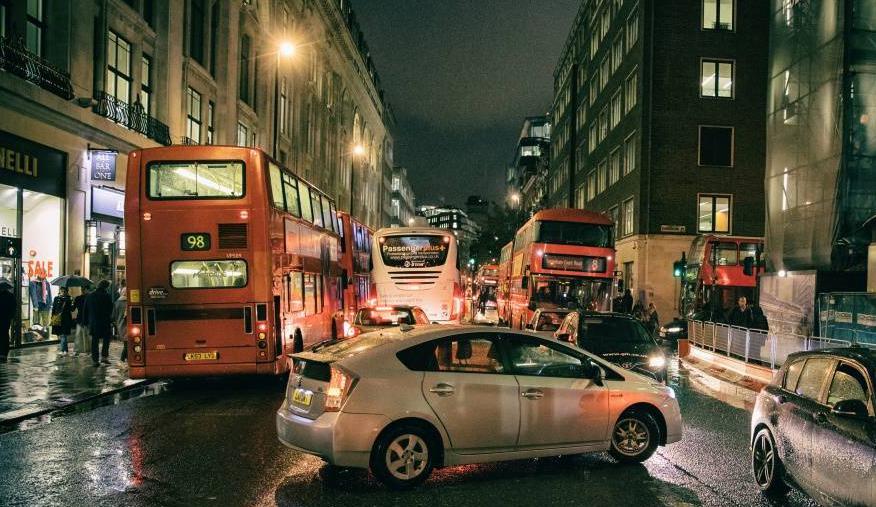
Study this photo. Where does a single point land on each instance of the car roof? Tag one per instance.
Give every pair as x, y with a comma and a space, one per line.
865, 355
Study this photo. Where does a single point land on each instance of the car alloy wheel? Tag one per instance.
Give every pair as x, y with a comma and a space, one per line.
407, 456
631, 437
765, 464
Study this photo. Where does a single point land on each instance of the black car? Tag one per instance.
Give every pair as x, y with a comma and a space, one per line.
814, 425
617, 338
673, 330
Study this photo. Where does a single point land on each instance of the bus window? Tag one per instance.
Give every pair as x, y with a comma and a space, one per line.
327, 214
309, 294
726, 253
297, 292
277, 186
306, 212
195, 180
317, 209
290, 189
748, 250
572, 233
208, 274
337, 221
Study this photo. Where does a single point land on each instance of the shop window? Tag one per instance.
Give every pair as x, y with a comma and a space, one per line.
716, 146
714, 213
118, 73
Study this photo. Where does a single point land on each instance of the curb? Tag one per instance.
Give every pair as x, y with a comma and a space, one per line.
8, 421
739, 395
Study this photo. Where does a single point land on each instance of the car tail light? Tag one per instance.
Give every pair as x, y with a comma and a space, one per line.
339, 388
297, 366
458, 299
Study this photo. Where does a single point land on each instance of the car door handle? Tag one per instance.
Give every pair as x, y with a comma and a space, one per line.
442, 389
532, 394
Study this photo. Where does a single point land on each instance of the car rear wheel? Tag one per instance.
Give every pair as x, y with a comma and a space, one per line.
634, 437
403, 457
765, 464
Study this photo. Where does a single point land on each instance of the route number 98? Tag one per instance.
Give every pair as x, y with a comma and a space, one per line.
195, 241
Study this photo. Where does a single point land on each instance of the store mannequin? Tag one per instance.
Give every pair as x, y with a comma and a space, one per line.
41, 300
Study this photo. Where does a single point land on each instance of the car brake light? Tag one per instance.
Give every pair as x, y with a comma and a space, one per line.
340, 385
297, 366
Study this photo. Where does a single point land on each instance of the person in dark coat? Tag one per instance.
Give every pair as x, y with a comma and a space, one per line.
741, 315
62, 319
98, 314
7, 314
626, 302
653, 320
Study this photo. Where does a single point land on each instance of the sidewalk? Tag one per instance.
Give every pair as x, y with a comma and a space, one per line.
36, 380
729, 380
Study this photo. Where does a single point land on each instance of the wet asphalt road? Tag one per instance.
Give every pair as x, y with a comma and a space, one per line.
213, 443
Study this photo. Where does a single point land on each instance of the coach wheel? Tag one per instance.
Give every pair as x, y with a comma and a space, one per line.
297, 342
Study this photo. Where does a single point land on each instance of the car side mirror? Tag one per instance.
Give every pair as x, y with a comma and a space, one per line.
850, 408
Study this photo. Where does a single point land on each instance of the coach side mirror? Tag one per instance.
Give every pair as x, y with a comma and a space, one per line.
850, 408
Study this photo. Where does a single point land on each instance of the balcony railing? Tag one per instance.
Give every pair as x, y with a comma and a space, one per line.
17, 60
132, 116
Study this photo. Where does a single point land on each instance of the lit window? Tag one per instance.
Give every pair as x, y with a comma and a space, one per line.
628, 217
604, 72
603, 123
617, 52
716, 79
242, 133
591, 185
714, 213
36, 25
602, 174
633, 28
718, 14
146, 83
118, 78
616, 109
631, 89
614, 168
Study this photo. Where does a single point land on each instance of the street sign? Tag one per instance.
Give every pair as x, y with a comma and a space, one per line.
103, 165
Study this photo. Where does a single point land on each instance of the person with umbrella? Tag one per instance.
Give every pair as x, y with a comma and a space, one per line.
62, 319
66, 282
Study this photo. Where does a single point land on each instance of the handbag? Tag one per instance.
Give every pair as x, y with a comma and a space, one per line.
56, 320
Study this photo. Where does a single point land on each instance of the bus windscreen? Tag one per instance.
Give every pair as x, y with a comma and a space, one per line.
196, 180
574, 233
421, 251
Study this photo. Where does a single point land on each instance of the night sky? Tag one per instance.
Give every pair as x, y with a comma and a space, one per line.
461, 75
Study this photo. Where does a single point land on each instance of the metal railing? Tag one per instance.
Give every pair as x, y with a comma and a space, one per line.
131, 116
16, 59
768, 348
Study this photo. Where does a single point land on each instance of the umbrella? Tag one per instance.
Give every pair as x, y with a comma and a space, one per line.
72, 281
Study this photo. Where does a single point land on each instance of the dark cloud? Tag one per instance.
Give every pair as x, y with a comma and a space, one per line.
461, 75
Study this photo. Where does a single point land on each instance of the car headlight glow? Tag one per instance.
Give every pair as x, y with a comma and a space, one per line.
657, 362
674, 329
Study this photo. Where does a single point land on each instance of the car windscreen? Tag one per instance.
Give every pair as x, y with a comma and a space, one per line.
383, 317
196, 180
573, 233
414, 251
607, 335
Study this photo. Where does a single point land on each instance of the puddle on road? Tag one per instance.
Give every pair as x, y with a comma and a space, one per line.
140, 391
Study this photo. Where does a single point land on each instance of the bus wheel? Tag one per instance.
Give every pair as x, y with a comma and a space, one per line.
297, 342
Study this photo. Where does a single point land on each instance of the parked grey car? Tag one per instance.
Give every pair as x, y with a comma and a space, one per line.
404, 400
814, 425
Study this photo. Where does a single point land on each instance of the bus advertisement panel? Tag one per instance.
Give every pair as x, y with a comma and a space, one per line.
561, 258
232, 262
417, 266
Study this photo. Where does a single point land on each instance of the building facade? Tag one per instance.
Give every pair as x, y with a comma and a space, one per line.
453, 219
658, 123
83, 83
402, 199
531, 164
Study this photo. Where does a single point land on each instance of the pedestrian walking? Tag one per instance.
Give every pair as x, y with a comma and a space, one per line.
82, 343
98, 314
653, 319
62, 319
7, 313
120, 321
626, 302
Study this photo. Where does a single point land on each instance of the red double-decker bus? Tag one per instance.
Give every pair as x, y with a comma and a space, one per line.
232, 262
714, 277
503, 293
561, 258
355, 262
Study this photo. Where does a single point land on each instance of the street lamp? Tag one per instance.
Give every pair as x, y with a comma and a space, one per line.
515, 198
285, 49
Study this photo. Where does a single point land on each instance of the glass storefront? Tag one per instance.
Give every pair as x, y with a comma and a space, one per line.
32, 188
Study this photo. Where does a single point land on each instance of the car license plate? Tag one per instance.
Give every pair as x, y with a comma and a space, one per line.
302, 397
201, 356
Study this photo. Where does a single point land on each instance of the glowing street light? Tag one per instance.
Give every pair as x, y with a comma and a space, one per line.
358, 150
287, 49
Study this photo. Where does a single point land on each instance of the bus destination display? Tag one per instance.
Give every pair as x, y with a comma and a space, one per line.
574, 263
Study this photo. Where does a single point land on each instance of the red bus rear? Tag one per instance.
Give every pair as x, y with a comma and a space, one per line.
355, 261
561, 258
503, 294
715, 270
232, 262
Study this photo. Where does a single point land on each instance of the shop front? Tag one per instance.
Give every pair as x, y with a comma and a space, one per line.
32, 217
105, 235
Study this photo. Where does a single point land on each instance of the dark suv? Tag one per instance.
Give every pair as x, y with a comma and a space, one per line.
617, 338
814, 425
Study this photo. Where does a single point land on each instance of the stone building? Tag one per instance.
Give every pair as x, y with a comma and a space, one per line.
659, 123
84, 82
402, 199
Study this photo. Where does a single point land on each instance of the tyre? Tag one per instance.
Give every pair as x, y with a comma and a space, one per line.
297, 342
403, 457
634, 437
766, 465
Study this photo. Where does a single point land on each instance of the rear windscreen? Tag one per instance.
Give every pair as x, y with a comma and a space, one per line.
420, 251
196, 180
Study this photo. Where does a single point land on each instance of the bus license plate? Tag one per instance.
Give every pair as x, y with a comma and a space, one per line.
201, 356
302, 397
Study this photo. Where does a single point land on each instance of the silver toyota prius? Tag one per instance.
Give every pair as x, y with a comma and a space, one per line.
405, 400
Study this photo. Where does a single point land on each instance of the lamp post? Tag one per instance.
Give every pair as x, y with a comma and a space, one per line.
286, 49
